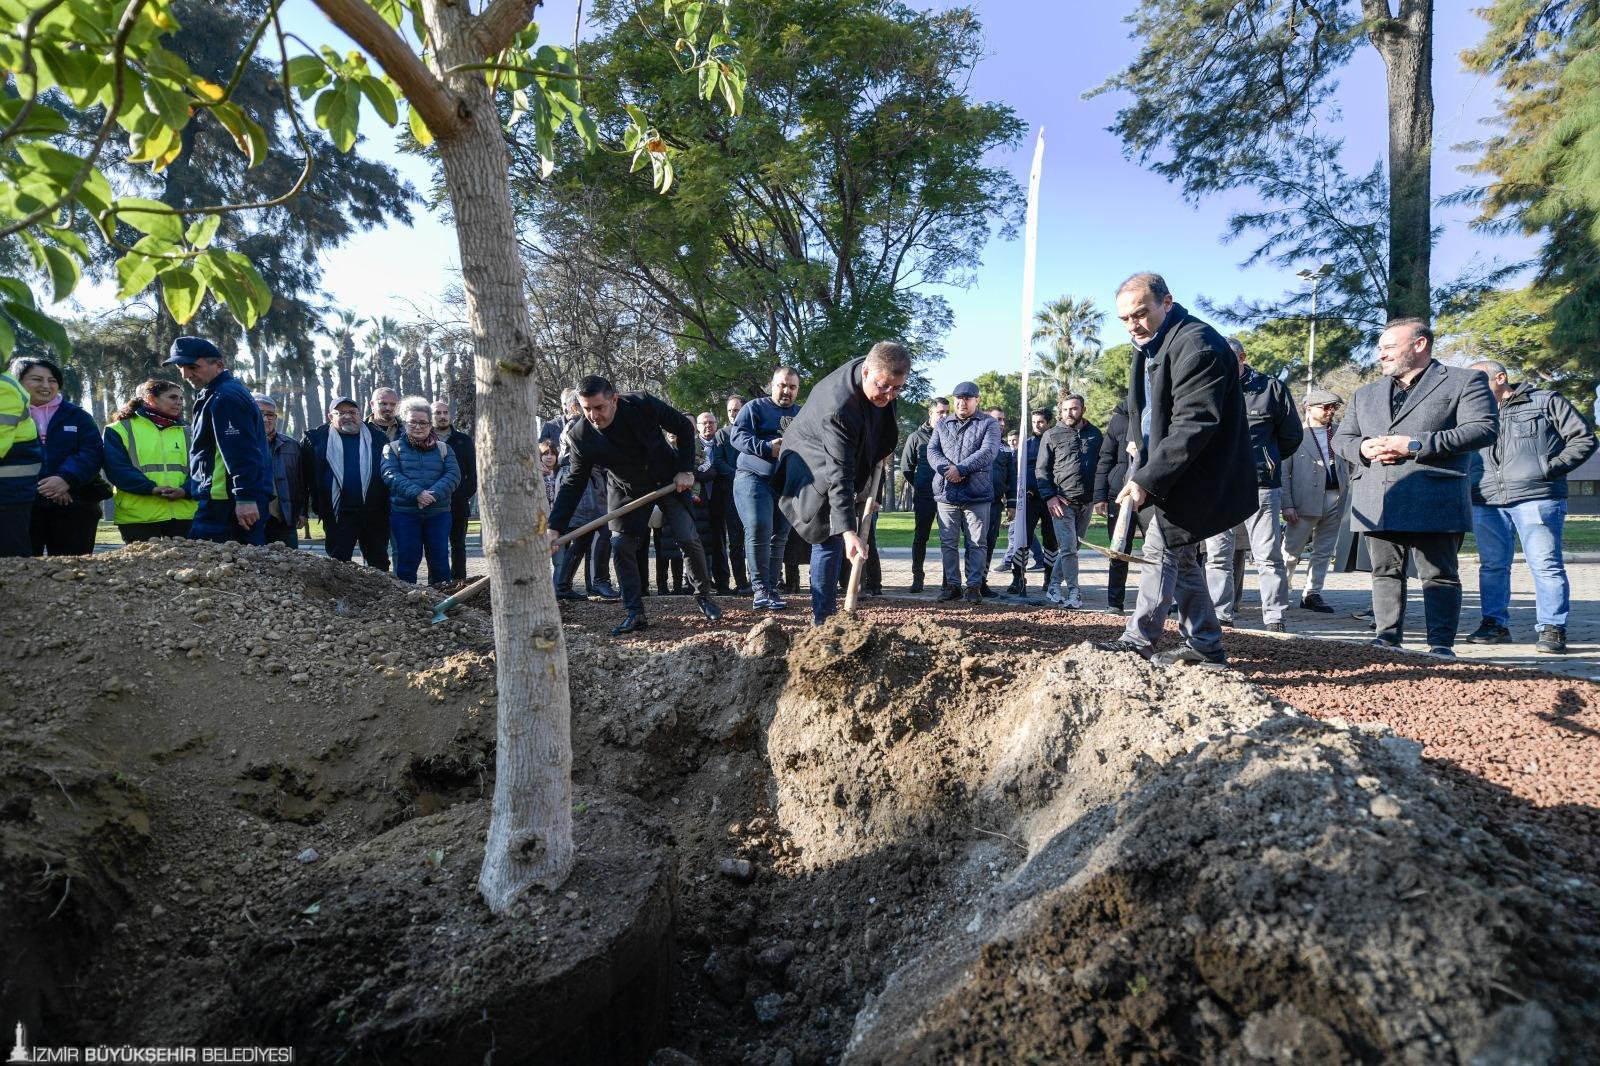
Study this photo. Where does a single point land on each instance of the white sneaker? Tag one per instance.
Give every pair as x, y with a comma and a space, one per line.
1073, 600
1052, 594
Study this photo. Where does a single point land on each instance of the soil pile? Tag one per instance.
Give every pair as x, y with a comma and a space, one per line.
242, 801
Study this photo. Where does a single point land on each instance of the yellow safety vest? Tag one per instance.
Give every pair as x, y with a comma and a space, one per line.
19, 431
162, 455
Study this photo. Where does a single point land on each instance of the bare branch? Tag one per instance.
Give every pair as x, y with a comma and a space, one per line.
422, 89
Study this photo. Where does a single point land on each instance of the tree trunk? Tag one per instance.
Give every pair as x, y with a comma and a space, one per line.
1406, 45
347, 380
530, 829
309, 400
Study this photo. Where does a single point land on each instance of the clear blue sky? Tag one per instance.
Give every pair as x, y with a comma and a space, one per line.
1101, 217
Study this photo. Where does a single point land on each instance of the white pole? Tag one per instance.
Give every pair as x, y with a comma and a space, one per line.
1018, 548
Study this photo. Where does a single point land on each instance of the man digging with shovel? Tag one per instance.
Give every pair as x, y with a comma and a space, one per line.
627, 435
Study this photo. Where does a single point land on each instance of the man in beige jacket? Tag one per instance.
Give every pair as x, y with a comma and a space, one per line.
1313, 498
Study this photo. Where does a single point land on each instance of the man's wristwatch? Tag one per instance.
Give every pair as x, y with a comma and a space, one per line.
1414, 447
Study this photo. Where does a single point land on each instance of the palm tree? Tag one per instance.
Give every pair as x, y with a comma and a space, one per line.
1071, 329
343, 336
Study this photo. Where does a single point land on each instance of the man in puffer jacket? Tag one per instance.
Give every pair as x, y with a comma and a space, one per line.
1519, 488
961, 452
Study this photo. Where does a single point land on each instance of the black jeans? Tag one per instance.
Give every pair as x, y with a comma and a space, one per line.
458, 542
368, 529
733, 531
134, 532
925, 509
632, 531
64, 530
717, 544
1436, 558
16, 542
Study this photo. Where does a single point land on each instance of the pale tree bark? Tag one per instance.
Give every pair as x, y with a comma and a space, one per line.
530, 829
1405, 41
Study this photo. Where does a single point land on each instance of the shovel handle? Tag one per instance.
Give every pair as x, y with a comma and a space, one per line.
869, 518
566, 538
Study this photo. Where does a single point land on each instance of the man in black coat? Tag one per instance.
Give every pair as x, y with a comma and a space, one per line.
727, 463
461, 500
1064, 471
918, 473
1111, 472
344, 480
1197, 476
830, 450
627, 435
1275, 435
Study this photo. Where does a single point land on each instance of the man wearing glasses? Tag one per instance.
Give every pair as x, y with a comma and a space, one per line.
1408, 439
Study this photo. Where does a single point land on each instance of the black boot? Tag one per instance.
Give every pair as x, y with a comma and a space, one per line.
634, 623
1018, 586
916, 583
677, 577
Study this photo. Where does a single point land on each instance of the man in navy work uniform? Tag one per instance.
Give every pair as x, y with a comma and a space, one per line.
229, 463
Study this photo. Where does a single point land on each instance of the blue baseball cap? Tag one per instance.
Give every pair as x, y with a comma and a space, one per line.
186, 351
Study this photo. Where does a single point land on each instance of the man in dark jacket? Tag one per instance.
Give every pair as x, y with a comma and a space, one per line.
715, 474
1068, 454
1409, 438
1110, 474
758, 439
229, 464
1519, 488
962, 451
1275, 434
1005, 492
627, 435
592, 551
381, 413
288, 508
1024, 543
917, 472
343, 462
466, 453
830, 451
1196, 473
727, 466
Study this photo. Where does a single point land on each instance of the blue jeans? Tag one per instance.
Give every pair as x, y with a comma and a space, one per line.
765, 528
415, 533
1537, 524
827, 560
214, 521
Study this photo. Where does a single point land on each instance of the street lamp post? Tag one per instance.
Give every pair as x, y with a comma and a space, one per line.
1315, 278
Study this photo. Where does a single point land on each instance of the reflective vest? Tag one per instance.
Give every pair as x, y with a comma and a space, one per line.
162, 455
21, 452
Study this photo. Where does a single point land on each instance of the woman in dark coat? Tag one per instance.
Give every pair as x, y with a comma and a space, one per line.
66, 511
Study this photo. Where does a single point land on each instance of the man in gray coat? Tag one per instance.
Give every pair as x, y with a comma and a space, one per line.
1408, 440
1313, 499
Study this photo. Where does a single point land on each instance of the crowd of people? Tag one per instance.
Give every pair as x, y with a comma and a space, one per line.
1214, 458
399, 484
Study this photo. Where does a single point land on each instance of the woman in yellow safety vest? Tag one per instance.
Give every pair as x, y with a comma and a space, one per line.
147, 459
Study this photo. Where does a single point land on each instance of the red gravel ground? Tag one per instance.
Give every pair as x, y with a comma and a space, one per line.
1526, 742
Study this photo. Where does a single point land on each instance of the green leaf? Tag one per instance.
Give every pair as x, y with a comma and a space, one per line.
17, 290
419, 128
135, 272
64, 272
67, 239
149, 216
35, 249
40, 325
235, 280
8, 339
381, 98
307, 74
393, 11
691, 19
42, 121
709, 73
247, 134
182, 291
167, 102
338, 111
204, 228
733, 91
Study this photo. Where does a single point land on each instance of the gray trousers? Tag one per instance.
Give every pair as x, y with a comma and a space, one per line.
1264, 529
1319, 535
973, 519
1070, 528
1170, 575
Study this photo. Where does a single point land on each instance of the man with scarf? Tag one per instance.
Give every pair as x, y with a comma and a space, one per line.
343, 462
229, 464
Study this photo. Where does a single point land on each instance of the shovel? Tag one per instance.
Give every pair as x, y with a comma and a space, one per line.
1121, 539
869, 519
441, 612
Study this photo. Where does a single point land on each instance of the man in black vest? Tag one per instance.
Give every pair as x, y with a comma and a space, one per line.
627, 435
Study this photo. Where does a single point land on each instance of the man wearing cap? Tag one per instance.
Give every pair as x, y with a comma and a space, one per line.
1313, 499
229, 463
344, 478
961, 452
288, 507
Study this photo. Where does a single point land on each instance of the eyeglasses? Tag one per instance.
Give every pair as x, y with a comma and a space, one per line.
422, 424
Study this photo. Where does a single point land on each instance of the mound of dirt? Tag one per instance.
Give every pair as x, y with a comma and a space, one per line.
242, 796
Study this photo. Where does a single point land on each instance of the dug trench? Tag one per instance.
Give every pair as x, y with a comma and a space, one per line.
243, 795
